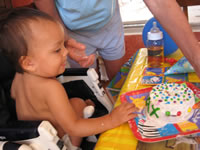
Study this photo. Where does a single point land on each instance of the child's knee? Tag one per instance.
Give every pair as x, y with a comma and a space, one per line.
77, 102
78, 105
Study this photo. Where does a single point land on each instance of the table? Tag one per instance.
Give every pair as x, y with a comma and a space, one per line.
122, 138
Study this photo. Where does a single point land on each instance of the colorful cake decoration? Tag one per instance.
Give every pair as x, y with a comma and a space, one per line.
170, 103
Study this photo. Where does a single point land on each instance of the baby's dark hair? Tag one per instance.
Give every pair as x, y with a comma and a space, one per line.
15, 31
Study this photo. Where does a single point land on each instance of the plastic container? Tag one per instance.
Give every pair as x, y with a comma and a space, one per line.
155, 46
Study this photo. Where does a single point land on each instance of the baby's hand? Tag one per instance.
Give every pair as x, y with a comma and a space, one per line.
123, 113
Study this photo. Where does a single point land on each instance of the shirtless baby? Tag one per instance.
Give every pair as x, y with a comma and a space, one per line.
34, 43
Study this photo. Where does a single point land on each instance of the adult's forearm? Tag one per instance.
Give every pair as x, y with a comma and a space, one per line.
48, 6
171, 17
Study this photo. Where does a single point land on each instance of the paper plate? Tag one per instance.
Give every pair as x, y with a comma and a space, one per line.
169, 131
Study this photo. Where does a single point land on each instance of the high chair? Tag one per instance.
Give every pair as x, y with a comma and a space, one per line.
41, 135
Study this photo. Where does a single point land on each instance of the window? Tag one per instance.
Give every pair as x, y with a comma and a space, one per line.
135, 14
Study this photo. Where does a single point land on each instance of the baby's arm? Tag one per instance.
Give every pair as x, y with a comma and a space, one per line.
66, 117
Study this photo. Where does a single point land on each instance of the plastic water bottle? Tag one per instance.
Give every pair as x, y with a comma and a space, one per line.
155, 46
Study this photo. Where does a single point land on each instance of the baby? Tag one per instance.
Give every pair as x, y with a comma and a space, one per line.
34, 43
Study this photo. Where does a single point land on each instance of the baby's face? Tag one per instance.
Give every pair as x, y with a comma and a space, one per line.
46, 48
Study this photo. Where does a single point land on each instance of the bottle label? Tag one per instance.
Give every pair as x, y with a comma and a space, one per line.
154, 52
155, 57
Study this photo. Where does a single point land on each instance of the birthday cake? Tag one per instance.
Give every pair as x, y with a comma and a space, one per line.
170, 103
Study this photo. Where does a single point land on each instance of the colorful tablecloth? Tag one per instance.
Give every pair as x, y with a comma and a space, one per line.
122, 138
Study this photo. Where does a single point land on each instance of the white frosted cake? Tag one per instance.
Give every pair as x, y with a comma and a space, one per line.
170, 103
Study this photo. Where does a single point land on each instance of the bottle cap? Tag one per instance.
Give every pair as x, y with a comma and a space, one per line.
155, 33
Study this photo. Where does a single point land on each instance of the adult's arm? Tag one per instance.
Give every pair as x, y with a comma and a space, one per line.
48, 6
172, 18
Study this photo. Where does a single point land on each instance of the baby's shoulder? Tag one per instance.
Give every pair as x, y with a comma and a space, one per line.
54, 87
53, 84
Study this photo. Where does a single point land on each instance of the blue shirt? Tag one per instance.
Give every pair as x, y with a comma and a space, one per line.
85, 15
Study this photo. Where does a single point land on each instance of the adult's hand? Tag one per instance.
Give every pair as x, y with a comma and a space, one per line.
77, 53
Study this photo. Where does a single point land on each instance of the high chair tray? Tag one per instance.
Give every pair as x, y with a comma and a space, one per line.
150, 133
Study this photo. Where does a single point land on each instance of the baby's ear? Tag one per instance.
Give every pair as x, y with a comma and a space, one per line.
27, 63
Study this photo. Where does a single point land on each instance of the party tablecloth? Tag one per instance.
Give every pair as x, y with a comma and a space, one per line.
122, 138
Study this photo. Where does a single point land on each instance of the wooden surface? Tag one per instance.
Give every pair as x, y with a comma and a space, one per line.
163, 146
5, 4
186, 3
